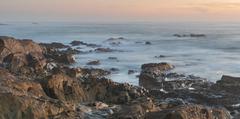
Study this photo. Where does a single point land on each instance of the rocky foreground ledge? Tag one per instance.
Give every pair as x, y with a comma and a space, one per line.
36, 82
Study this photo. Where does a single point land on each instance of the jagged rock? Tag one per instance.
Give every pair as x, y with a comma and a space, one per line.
228, 84
65, 59
10, 45
189, 112
153, 73
75, 72
94, 72
99, 105
71, 51
25, 63
106, 90
64, 88
81, 72
21, 56
37, 61
53, 54
157, 76
54, 45
157, 68
135, 110
26, 99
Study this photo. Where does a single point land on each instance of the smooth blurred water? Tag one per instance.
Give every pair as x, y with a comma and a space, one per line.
209, 57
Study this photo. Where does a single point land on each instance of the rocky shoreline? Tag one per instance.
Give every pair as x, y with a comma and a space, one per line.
37, 81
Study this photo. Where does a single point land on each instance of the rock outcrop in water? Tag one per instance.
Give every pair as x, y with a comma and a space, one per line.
167, 87
36, 81
189, 35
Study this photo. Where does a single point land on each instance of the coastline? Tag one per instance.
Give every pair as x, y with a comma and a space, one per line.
37, 81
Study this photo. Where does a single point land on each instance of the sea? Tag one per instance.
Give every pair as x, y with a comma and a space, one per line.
210, 57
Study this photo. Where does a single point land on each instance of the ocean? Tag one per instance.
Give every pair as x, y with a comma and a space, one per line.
209, 57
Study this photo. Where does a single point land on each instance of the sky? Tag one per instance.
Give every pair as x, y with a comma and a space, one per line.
119, 10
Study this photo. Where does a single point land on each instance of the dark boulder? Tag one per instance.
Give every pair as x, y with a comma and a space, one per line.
104, 50
95, 62
77, 43
131, 72
228, 84
148, 43
54, 45
189, 35
153, 73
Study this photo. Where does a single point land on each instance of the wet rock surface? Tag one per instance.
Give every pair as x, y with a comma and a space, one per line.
116, 41
165, 85
104, 50
37, 81
95, 62
77, 43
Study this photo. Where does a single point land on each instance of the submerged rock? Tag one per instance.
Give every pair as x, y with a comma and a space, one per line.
113, 58
116, 41
160, 56
114, 70
190, 35
131, 71
77, 43
96, 62
104, 50
148, 43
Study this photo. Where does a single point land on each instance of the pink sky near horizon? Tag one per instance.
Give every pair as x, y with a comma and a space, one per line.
121, 10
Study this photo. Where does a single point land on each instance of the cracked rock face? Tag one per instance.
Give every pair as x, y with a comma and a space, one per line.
10, 45
26, 99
